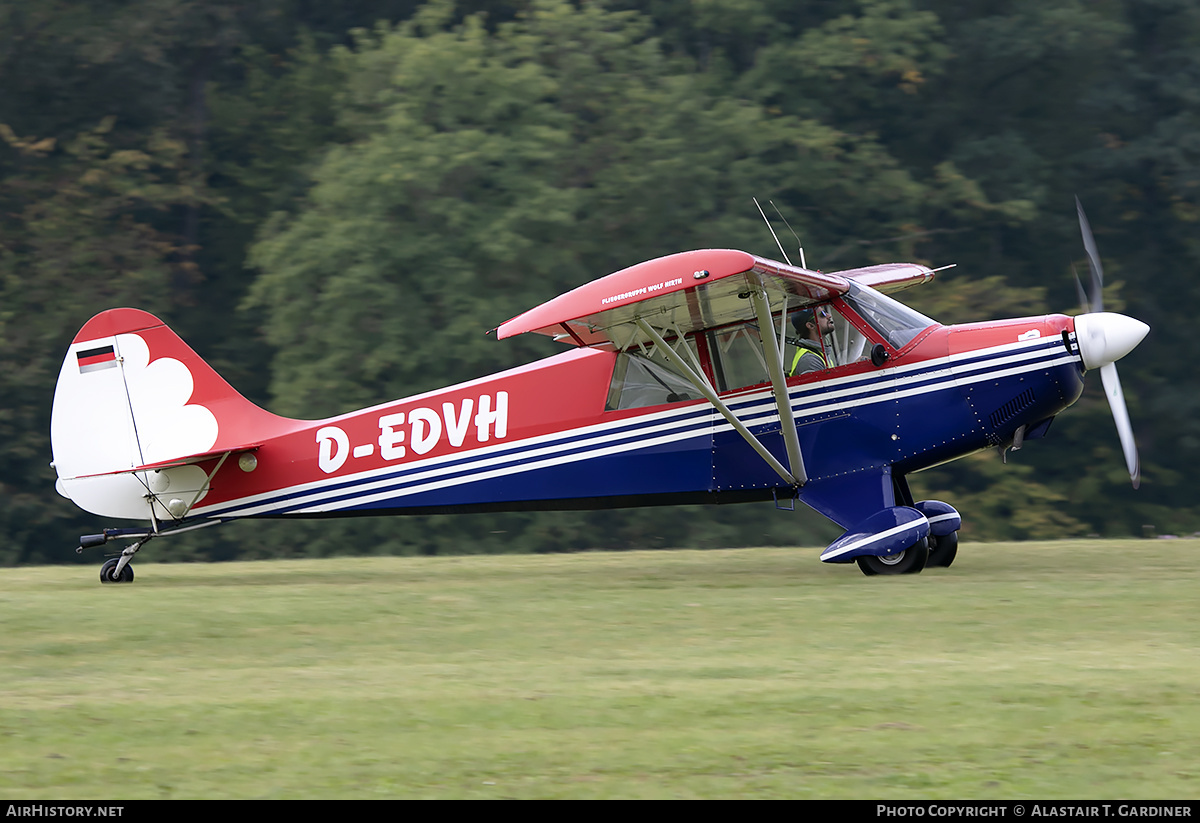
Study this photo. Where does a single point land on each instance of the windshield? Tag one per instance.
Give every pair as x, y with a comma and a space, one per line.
895, 322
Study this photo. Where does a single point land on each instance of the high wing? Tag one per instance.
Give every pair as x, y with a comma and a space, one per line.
890, 277
680, 293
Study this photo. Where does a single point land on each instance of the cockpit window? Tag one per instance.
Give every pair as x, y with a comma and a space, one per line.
736, 352
895, 322
824, 338
646, 380
815, 338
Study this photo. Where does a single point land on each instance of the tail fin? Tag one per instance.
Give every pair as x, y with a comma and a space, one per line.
133, 404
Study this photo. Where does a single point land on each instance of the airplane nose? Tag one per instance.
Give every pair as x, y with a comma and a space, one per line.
1105, 337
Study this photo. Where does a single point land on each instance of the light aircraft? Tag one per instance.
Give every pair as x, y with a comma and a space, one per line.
675, 389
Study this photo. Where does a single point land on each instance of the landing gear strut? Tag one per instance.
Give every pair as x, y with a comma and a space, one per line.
115, 569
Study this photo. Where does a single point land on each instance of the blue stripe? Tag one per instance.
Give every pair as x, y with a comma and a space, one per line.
697, 421
757, 410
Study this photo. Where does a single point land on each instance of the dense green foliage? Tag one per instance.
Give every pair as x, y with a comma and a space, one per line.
332, 206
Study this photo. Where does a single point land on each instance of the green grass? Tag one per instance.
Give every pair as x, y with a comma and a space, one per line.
1056, 670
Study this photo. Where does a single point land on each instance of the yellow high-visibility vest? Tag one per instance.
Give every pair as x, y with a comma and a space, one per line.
803, 350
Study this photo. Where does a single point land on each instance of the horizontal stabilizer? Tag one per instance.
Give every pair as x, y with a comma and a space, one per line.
187, 460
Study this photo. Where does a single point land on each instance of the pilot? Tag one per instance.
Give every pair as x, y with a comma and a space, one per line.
810, 325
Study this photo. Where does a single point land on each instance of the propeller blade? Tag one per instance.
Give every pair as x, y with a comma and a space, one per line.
1116, 402
1105, 338
1083, 301
1089, 245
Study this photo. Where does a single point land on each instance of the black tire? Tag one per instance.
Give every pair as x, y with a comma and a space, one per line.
943, 550
909, 561
107, 569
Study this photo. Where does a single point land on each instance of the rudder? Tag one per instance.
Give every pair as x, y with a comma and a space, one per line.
132, 394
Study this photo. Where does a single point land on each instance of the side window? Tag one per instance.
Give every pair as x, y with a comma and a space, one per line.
823, 338
641, 379
820, 338
737, 357
846, 343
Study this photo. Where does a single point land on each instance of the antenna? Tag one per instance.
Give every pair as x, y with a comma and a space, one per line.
773, 234
799, 245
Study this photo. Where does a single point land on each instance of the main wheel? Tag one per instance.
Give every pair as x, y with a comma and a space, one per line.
106, 572
943, 550
909, 561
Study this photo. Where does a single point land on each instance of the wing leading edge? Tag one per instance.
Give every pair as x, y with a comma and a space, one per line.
681, 293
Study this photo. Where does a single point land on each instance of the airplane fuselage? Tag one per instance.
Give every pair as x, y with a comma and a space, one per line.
540, 436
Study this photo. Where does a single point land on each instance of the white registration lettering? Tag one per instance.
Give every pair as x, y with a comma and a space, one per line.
390, 436
456, 428
419, 429
426, 429
486, 419
333, 448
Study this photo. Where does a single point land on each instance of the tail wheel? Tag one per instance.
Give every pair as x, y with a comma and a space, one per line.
943, 550
110, 565
910, 561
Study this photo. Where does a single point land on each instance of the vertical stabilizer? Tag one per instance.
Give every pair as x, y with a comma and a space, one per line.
130, 394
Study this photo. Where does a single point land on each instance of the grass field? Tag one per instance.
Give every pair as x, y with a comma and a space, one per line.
1055, 670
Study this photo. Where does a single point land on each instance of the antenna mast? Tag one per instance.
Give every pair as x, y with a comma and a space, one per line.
799, 245
773, 234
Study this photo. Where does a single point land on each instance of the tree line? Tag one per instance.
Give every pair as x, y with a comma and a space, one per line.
332, 203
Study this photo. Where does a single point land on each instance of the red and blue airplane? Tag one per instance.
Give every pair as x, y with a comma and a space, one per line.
675, 390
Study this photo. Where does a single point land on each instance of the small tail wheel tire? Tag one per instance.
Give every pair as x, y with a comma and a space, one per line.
106, 572
909, 561
943, 550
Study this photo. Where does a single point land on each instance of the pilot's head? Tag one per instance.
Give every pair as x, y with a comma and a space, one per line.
813, 321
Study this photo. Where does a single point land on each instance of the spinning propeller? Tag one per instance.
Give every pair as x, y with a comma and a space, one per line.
1104, 338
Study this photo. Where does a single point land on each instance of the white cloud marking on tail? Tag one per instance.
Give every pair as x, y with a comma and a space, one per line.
167, 425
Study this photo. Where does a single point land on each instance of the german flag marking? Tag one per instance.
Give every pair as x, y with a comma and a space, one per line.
96, 359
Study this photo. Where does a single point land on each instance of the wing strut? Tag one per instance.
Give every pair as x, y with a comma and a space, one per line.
773, 354
702, 385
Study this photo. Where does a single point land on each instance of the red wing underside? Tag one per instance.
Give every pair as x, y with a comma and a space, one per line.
678, 294
889, 277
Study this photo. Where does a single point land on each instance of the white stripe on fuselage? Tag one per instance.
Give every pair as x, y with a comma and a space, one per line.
755, 408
